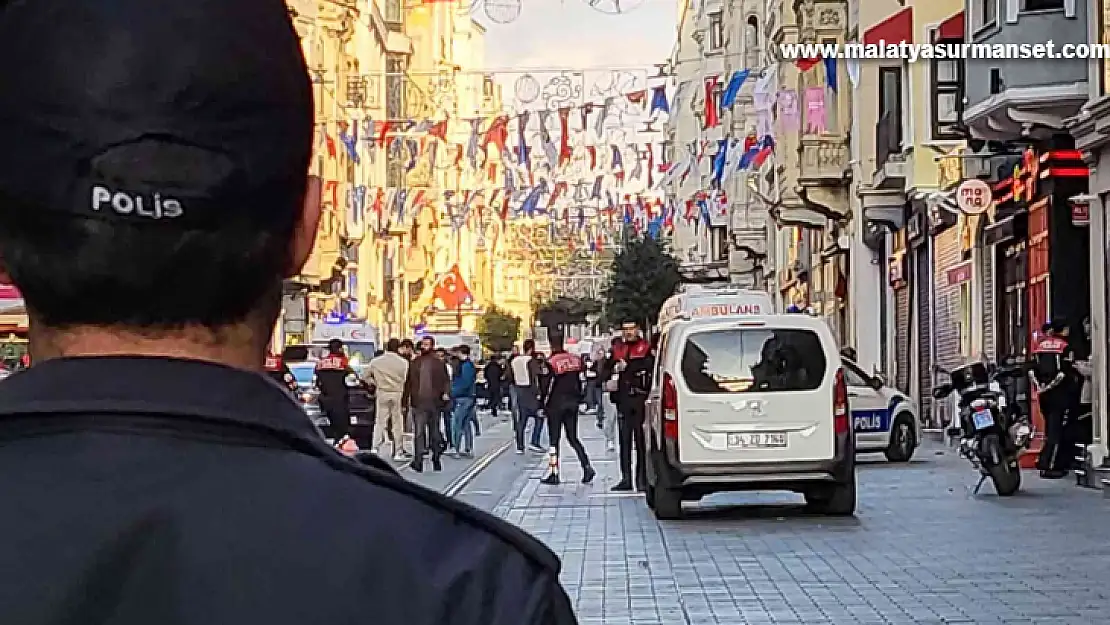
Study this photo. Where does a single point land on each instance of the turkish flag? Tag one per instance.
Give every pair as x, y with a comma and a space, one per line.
451, 289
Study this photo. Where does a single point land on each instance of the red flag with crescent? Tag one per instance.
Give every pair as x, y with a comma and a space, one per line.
451, 290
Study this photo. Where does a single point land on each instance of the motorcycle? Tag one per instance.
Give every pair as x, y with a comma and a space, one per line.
993, 432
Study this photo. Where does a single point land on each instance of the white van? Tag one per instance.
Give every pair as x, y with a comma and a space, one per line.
746, 401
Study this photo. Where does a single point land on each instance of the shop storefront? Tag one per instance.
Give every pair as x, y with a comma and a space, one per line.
920, 269
898, 279
1042, 253
1095, 146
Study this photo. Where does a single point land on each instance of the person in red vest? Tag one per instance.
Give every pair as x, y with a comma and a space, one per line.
632, 362
331, 378
1054, 375
280, 373
25, 360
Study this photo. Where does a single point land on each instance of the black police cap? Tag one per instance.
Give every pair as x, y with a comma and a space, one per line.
190, 113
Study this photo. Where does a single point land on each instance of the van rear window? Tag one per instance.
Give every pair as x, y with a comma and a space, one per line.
753, 361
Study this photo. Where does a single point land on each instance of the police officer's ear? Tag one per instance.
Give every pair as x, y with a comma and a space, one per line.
304, 234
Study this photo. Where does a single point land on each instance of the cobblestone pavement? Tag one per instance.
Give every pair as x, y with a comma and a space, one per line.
497, 431
922, 549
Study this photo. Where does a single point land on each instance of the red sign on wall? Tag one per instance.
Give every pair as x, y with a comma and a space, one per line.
959, 274
1080, 214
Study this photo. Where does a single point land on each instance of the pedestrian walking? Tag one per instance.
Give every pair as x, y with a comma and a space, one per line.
526, 397
560, 396
592, 381
448, 407
331, 379
632, 364
389, 373
155, 197
495, 373
610, 382
427, 393
464, 393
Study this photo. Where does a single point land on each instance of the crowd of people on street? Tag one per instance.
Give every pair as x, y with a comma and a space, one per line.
435, 393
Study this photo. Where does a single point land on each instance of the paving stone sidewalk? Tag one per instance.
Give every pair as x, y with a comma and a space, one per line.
496, 432
922, 549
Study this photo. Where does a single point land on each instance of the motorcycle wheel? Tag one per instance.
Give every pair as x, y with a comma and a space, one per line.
1003, 469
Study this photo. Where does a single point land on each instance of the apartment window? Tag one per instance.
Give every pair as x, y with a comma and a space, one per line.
947, 79
716, 31
487, 86
751, 42
888, 130
832, 98
718, 244
1042, 5
395, 86
393, 15
984, 13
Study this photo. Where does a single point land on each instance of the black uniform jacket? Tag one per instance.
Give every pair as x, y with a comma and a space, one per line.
141, 491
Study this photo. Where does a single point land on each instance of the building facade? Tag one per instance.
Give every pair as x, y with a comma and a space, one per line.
1016, 115
1089, 128
719, 42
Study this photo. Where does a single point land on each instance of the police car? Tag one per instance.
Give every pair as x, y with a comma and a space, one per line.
884, 419
744, 399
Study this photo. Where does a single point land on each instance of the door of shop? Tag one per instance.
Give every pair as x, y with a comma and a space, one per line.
923, 281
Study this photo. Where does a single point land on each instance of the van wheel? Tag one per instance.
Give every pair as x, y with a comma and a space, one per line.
668, 503
903, 441
840, 500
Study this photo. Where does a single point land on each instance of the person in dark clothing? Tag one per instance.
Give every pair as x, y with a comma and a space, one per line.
156, 195
407, 349
560, 394
427, 392
331, 379
494, 373
279, 372
632, 362
1054, 376
448, 407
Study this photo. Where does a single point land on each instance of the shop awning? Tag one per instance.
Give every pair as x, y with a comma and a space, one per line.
951, 29
897, 28
1006, 228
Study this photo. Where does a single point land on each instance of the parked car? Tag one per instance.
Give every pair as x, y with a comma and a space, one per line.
308, 395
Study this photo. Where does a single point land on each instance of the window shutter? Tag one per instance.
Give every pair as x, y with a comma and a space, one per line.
1012, 8
1069, 8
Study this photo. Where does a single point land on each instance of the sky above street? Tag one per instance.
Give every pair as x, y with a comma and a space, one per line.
568, 33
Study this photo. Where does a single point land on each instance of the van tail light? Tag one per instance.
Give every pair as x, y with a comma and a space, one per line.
670, 408
840, 404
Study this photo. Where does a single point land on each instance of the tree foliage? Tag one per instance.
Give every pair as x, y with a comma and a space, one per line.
498, 330
564, 311
644, 275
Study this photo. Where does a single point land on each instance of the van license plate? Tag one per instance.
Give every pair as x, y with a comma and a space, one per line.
756, 440
983, 419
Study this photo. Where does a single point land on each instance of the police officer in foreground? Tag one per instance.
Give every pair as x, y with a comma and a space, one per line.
153, 196
1053, 374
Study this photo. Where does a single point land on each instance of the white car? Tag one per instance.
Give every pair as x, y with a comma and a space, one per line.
748, 402
884, 419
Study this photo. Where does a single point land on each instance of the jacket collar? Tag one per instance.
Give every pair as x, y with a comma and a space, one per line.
153, 386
